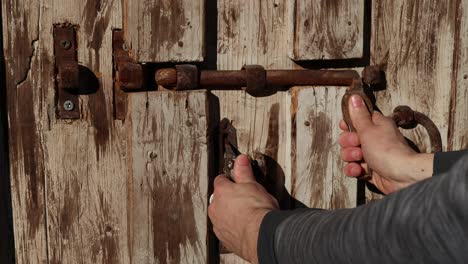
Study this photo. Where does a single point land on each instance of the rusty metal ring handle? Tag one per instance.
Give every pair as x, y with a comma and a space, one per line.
406, 118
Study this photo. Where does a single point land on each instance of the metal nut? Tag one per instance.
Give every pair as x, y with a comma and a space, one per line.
68, 105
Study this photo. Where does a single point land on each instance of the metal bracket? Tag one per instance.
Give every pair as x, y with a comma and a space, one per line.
67, 72
128, 75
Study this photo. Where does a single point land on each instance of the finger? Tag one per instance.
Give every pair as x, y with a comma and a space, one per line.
353, 170
351, 154
221, 181
344, 126
243, 170
359, 114
379, 119
349, 139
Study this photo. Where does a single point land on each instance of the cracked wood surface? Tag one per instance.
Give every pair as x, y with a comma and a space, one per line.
169, 143
319, 181
166, 30
68, 177
252, 32
417, 53
78, 187
458, 126
257, 33
327, 29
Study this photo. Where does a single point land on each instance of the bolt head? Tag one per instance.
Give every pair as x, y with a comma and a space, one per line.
68, 105
66, 44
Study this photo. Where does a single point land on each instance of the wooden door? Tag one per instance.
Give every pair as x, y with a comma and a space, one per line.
102, 190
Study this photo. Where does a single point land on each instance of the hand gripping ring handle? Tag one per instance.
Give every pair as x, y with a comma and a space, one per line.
403, 116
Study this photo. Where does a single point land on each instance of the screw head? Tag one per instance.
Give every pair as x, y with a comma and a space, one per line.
65, 44
125, 47
68, 105
307, 123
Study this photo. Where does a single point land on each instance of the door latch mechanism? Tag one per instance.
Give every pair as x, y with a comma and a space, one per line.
67, 72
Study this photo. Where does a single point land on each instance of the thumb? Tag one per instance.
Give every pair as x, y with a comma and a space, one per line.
243, 172
359, 114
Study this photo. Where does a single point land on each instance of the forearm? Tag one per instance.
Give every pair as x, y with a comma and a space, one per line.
443, 161
423, 223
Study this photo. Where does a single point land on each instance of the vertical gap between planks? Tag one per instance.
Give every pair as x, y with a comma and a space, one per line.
211, 35
454, 83
41, 144
7, 243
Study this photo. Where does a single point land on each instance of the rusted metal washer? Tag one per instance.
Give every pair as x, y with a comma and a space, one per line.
407, 118
256, 79
187, 77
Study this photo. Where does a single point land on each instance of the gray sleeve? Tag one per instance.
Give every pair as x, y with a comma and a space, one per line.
424, 223
443, 161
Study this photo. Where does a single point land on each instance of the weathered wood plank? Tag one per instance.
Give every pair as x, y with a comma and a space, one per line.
414, 42
72, 171
458, 127
7, 245
253, 32
328, 29
166, 30
170, 151
319, 181
21, 32
86, 159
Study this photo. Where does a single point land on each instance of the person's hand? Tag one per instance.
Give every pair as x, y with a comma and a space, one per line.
238, 208
380, 143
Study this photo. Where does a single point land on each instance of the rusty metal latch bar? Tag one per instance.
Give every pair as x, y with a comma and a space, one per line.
67, 72
254, 79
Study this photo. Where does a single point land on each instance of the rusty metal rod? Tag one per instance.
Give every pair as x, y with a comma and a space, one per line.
214, 79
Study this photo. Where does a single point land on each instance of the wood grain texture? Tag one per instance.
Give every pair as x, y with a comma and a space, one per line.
414, 42
27, 167
170, 143
73, 172
458, 127
86, 160
253, 32
7, 244
328, 29
166, 30
319, 180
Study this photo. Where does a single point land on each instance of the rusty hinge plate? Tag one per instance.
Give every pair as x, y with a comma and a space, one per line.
67, 72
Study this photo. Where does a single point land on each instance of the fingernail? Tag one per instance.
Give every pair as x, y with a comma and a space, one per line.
242, 160
356, 101
355, 171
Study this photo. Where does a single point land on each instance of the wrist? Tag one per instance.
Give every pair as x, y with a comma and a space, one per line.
419, 166
251, 234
